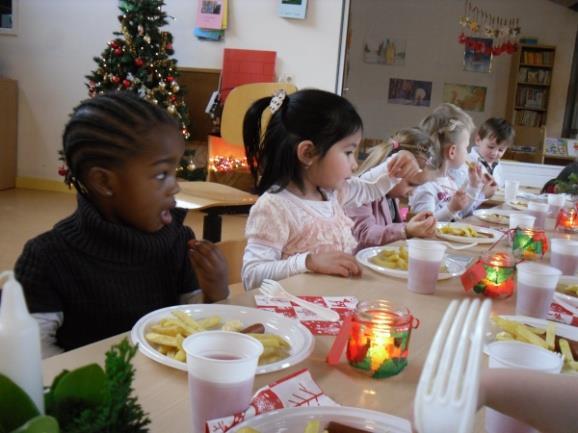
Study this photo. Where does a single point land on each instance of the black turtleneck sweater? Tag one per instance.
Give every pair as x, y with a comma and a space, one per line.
103, 276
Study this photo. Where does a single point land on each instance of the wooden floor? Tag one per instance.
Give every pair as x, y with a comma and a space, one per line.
25, 214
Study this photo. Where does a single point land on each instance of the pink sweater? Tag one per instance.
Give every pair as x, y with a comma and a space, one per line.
374, 225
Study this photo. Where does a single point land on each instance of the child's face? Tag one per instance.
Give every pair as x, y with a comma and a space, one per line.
490, 150
406, 186
332, 170
145, 185
457, 155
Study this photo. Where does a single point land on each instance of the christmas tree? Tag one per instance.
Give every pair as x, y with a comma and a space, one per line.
138, 60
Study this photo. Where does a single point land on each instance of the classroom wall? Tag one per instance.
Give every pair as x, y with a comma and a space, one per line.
431, 30
57, 40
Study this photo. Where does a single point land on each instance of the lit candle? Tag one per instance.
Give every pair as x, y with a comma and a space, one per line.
529, 243
567, 221
379, 338
20, 341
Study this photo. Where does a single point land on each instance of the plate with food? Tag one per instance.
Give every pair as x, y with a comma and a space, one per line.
467, 233
392, 260
159, 334
494, 216
518, 204
318, 419
567, 293
553, 336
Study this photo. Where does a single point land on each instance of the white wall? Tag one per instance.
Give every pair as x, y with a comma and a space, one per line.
431, 31
57, 39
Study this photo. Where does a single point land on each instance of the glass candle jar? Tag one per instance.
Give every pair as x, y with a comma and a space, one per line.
379, 338
529, 243
499, 275
567, 221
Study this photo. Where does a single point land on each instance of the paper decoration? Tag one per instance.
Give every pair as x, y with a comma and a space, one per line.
212, 19
246, 66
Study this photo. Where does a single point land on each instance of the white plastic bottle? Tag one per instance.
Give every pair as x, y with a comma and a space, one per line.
20, 358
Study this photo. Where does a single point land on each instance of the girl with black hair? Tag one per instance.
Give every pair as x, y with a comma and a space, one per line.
125, 251
303, 165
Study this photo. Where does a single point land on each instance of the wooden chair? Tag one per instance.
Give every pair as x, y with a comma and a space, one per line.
238, 102
233, 252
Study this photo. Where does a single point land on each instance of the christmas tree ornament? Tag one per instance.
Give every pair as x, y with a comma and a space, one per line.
175, 87
118, 51
140, 30
147, 39
115, 79
162, 84
138, 62
169, 78
172, 109
126, 83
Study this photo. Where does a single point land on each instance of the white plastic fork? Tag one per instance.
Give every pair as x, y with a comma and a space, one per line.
273, 289
447, 393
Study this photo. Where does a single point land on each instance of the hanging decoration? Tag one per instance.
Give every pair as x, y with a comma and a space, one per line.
477, 23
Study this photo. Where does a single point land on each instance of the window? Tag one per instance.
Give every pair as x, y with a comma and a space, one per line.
8, 15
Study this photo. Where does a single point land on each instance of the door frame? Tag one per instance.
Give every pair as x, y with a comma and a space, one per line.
343, 48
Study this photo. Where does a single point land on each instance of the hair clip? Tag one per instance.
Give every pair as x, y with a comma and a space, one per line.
277, 100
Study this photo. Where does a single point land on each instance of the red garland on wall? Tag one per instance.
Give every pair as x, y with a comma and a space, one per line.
476, 22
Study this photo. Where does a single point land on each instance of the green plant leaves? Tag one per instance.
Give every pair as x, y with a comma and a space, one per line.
86, 384
16, 407
39, 424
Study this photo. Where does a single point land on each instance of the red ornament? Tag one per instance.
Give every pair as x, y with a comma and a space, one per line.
138, 62
118, 51
113, 44
115, 79
173, 98
169, 46
62, 170
169, 78
126, 83
462, 38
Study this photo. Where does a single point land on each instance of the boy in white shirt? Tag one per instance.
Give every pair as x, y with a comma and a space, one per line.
492, 140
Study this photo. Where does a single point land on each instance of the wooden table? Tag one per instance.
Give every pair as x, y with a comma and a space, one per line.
163, 391
214, 199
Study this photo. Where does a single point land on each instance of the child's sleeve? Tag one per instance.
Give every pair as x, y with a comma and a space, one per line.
368, 232
425, 198
474, 203
267, 232
370, 186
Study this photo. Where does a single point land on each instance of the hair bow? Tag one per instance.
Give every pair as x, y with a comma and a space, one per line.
277, 101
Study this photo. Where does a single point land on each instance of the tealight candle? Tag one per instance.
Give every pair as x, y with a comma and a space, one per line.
499, 279
529, 243
379, 338
567, 221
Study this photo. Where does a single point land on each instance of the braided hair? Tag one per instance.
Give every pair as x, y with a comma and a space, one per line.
105, 131
322, 117
445, 124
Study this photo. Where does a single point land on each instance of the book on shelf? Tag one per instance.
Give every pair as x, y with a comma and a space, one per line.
561, 147
542, 58
531, 98
534, 76
529, 118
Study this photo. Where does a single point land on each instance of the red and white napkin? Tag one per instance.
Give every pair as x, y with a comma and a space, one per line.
561, 314
343, 305
296, 390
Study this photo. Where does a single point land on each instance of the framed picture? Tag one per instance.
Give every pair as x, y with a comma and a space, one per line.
478, 60
470, 98
296, 9
8, 17
383, 50
409, 92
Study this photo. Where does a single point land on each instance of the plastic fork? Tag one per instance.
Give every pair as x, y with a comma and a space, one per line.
273, 289
447, 393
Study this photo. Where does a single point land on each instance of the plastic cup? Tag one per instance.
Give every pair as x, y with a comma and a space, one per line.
555, 203
522, 220
221, 367
511, 190
536, 285
517, 355
425, 258
564, 255
540, 211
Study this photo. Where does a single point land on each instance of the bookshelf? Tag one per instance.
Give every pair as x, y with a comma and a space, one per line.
528, 99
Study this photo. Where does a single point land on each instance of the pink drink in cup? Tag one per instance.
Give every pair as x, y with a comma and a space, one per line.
425, 258
536, 285
540, 211
564, 255
514, 354
555, 203
221, 368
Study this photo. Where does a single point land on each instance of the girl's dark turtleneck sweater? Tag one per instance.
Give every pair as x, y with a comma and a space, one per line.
103, 276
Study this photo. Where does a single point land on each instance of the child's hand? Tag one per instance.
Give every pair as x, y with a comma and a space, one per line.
458, 202
422, 225
490, 185
333, 263
210, 268
403, 165
475, 174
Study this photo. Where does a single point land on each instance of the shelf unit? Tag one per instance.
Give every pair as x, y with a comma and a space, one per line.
528, 99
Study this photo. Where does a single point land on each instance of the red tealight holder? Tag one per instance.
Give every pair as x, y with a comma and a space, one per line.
493, 275
379, 338
567, 221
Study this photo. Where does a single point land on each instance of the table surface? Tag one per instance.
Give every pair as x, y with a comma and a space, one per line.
163, 392
205, 195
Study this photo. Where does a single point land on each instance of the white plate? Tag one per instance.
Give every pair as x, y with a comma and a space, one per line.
466, 240
454, 267
494, 216
294, 420
518, 204
295, 333
567, 280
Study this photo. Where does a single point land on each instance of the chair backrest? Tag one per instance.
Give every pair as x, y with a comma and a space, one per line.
239, 101
233, 251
